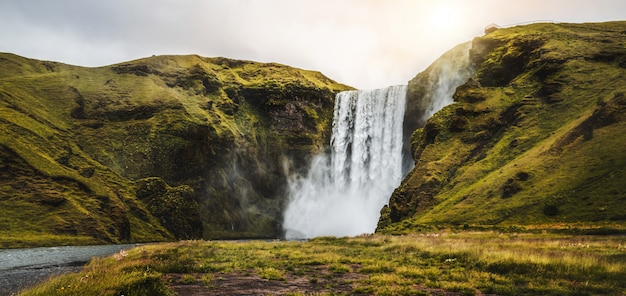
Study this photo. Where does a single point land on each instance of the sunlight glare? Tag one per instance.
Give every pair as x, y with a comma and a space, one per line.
445, 17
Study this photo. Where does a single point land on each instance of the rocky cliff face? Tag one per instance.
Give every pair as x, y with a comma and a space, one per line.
532, 138
159, 148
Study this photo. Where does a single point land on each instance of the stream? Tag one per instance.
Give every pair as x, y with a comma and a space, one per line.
22, 268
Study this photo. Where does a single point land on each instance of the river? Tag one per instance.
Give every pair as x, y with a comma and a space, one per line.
22, 268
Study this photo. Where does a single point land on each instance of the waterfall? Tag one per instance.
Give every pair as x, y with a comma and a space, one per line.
343, 192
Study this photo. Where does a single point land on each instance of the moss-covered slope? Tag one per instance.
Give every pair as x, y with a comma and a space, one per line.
153, 149
535, 137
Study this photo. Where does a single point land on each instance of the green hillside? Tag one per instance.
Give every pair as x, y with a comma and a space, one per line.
184, 147
154, 149
534, 138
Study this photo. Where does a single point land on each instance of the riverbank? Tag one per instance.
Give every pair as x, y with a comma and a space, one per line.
442, 263
23, 268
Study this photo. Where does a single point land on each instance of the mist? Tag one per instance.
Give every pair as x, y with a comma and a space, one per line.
343, 192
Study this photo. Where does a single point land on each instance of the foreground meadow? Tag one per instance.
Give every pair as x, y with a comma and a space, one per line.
444, 263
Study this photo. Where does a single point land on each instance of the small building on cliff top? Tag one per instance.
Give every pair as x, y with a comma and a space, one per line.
491, 28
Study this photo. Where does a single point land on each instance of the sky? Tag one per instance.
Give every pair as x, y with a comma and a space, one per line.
362, 43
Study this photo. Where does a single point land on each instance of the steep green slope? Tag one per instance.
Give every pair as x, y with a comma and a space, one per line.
153, 149
535, 137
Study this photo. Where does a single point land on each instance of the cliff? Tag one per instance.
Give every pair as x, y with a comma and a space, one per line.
534, 137
167, 147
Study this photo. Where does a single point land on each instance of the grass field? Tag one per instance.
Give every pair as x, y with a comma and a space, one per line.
439, 263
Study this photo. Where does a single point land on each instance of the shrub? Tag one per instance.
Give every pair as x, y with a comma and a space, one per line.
550, 210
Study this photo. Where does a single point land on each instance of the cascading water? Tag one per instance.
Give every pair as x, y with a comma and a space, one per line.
342, 194
448, 72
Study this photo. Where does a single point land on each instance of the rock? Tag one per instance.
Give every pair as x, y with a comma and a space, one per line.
175, 207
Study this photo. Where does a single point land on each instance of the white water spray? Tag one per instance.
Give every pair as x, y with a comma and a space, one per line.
447, 73
342, 195
343, 192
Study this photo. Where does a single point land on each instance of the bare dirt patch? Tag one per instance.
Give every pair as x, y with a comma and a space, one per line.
319, 280
312, 279
252, 284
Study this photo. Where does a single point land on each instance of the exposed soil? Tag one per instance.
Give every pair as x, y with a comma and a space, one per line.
238, 284
321, 280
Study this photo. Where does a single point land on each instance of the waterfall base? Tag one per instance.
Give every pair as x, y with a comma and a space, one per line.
343, 192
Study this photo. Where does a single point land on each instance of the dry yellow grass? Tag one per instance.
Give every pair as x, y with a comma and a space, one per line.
466, 262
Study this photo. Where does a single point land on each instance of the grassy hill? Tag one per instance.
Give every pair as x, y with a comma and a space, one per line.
535, 137
154, 149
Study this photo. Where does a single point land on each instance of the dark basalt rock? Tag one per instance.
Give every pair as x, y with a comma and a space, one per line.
175, 207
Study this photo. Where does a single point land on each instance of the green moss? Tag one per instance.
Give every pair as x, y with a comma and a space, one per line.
176, 208
543, 104
83, 136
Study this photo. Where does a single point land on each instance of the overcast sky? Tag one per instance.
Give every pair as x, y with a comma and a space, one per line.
362, 43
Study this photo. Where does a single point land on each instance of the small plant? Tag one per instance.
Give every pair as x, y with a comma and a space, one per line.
378, 268
272, 274
339, 268
188, 279
207, 281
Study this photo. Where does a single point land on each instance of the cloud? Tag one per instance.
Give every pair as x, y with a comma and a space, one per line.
364, 43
